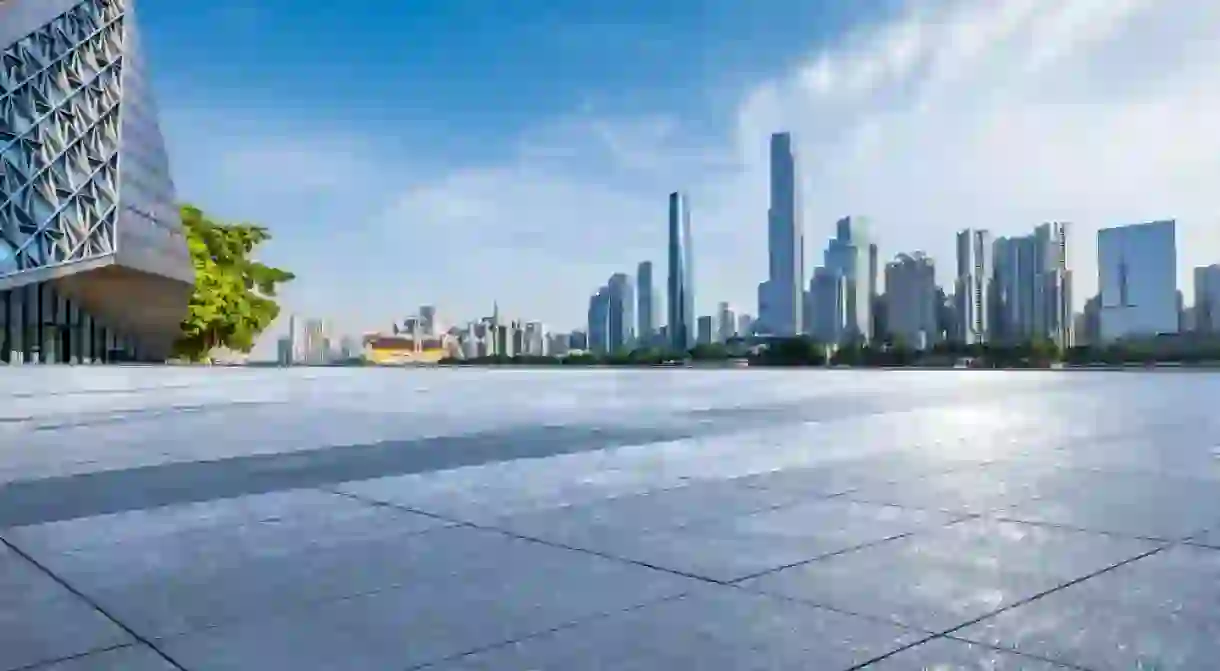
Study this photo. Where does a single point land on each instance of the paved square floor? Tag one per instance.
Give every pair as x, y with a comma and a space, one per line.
705, 520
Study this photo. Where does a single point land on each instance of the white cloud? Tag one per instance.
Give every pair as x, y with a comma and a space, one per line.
986, 113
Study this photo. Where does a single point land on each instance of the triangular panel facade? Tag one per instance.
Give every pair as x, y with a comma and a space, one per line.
83, 172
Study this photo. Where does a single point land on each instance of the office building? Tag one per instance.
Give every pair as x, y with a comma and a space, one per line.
1137, 280
781, 297
873, 288
745, 326
706, 330
315, 347
972, 288
598, 337
429, 325
726, 322
1207, 300
283, 351
648, 305
828, 291
911, 301
94, 264
1032, 287
534, 339
558, 344
621, 313
847, 255
681, 298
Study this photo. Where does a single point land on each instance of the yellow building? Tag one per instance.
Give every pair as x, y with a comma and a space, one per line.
397, 350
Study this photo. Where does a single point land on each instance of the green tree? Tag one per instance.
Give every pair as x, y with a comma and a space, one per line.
234, 294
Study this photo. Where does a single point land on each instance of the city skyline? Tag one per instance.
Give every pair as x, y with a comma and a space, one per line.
903, 114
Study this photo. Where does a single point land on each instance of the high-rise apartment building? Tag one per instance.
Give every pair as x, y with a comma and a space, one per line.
911, 300
848, 256
621, 313
429, 326
534, 339
1137, 280
972, 289
706, 331
283, 351
828, 291
745, 325
1207, 300
681, 298
316, 345
648, 305
781, 297
94, 263
598, 337
1032, 287
726, 322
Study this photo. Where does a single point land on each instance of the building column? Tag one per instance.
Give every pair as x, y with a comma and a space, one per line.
29, 323
6, 323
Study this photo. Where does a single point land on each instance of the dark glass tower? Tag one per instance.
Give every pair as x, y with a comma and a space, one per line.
681, 298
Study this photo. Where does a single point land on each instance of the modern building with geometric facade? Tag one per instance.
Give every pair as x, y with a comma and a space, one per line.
94, 264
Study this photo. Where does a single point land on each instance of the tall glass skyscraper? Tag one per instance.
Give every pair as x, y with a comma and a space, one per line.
93, 260
848, 255
1207, 299
621, 314
647, 305
781, 297
681, 297
1137, 279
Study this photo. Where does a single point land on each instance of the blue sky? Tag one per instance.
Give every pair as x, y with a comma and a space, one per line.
442, 151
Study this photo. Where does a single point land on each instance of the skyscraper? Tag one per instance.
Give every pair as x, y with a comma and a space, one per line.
726, 322
847, 255
781, 297
911, 300
828, 303
1032, 287
706, 330
1207, 299
681, 299
1137, 277
972, 289
621, 313
428, 321
647, 305
93, 260
598, 337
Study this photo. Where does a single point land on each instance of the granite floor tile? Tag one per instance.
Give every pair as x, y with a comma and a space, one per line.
1158, 612
431, 620
127, 658
40, 621
944, 654
1141, 505
942, 578
713, 628
745, 545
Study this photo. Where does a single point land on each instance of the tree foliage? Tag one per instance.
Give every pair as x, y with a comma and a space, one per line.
234, 294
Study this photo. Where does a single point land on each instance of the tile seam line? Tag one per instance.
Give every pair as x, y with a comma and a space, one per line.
531, 539
1097, 532
572, 624
135, 636
71, 658
948, 633
862, 546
